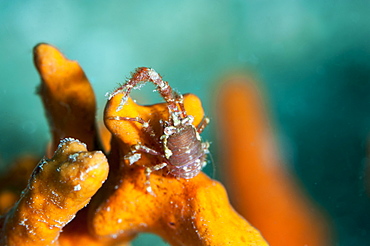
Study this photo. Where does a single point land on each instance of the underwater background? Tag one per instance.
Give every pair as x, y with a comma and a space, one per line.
312, 59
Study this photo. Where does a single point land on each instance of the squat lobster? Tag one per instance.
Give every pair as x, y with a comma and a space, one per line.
180, 148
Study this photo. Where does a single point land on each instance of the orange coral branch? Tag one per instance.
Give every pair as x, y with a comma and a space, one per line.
193, 211
183, 211
67, 95
70, 105
57, 189
263, 190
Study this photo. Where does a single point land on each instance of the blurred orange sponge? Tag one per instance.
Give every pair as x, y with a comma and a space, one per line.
262, 188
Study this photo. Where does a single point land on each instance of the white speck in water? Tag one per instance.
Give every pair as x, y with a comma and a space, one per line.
28, 127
